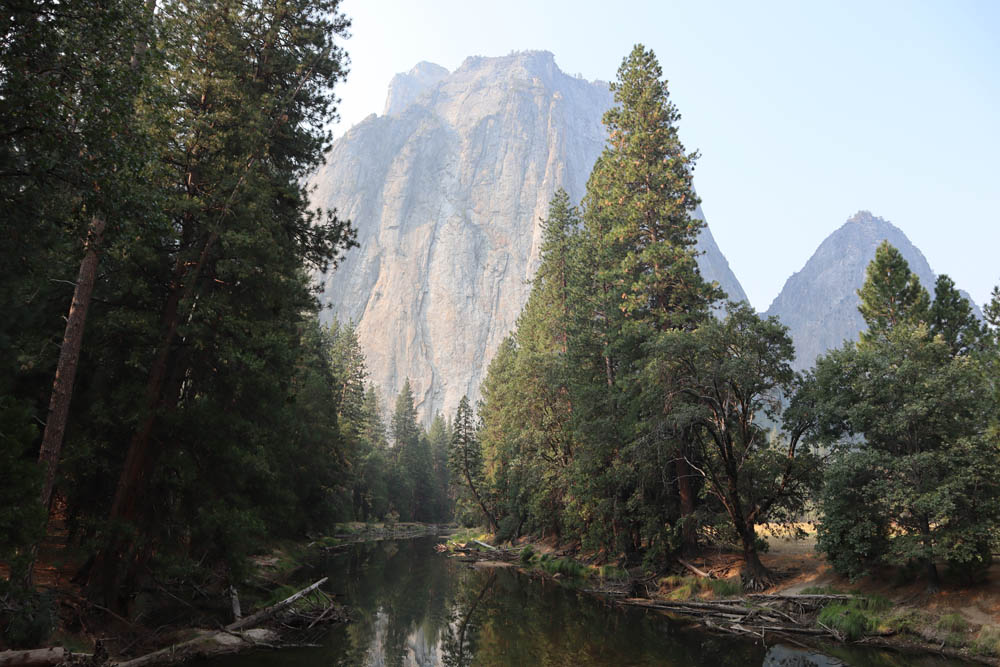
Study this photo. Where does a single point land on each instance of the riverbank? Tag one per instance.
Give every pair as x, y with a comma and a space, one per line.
180, 619
809, 605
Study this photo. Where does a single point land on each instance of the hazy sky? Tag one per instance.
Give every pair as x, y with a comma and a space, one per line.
804, 112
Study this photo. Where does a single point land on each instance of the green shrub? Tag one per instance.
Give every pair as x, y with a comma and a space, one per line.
820, 590
953, 623
988, 641
612, 572
848, 620
31, 620
566, 567
725, 588
527, 553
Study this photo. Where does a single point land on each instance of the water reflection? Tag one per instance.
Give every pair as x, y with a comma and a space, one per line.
414, 607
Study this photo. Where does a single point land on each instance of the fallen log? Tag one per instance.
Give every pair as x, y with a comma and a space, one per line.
39, 657
483, 544
263, 614
801, 597
692, 568
693, 607
207, 644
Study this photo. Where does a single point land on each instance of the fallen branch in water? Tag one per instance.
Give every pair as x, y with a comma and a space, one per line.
263, 614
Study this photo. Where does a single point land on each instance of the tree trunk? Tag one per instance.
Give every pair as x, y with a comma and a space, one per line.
110, 569
688, 528
754, 576
69, 358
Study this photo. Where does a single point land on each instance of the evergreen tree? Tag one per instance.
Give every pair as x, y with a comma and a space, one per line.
891, 294
440, 439
466, 459
951, 317
239, 122
907, 417
640, 239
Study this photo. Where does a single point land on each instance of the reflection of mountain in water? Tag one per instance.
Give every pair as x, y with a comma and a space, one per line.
412, 607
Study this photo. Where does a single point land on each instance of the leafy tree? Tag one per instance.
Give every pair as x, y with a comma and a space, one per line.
906, 414
719, 381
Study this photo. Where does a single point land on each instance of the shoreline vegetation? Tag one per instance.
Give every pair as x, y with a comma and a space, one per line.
809, 606
288, 614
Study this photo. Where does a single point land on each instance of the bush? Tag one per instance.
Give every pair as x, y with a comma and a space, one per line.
988, 641
563, 566
848, 620
953, 623
31, 620
725, 588
527, 553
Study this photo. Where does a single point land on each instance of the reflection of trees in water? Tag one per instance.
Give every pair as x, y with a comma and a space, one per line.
466, 611
397, 596
413, 607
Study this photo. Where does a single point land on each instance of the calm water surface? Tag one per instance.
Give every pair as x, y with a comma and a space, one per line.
413, 606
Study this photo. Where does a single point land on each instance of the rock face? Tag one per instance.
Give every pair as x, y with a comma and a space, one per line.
819, 304
446, 190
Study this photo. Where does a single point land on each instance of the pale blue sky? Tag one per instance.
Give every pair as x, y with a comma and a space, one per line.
804, 112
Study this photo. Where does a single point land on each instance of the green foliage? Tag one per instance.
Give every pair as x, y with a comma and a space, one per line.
891, 295
27, 619
849, 619
22, 519
527, 553
722, 377
987, 642
953, 622
915, 476
566, 567
726, 588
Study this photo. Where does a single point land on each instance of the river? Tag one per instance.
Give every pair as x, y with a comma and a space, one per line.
413, 606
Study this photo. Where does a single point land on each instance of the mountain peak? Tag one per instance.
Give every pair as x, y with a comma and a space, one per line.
819, 303
406, 87
446, 191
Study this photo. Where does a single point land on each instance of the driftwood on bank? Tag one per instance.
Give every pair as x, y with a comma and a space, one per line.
39, 657
231, 639
756, 614
694, 570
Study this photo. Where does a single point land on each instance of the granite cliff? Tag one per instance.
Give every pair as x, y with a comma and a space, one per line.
446, 189
819, 304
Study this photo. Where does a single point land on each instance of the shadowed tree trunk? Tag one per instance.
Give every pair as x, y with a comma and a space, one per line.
69, 359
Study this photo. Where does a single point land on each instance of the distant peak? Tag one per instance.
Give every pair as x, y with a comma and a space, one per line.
866, 217
425, 68
406, 87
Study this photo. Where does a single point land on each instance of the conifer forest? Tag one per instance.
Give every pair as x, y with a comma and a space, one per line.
175, 402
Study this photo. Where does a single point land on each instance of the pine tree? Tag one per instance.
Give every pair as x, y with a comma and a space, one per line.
466, 459
951, 317
640, 200
239, 121
891, 294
